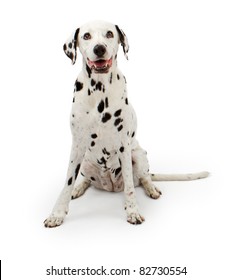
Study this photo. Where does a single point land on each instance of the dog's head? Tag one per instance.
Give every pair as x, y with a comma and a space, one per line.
98, 43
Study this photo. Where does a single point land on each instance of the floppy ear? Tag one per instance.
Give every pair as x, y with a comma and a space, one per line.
123, 40
70, 46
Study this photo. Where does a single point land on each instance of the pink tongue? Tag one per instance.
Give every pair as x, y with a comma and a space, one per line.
100, 63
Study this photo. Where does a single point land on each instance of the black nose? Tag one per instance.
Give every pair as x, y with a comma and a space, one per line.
99, 50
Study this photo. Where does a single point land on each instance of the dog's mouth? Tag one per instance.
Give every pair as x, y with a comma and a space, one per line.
101, 65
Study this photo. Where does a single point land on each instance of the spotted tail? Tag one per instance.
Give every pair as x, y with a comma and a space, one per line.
179, 177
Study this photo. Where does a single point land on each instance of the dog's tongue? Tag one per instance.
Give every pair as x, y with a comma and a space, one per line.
100, 63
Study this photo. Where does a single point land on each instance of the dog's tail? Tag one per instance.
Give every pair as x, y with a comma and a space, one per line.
179, 177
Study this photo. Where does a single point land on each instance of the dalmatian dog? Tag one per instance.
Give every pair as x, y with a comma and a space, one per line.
103, 124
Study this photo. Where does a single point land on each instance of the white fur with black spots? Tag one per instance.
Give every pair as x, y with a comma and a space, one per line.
103, 124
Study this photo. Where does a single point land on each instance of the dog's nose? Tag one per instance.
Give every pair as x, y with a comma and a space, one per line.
99, 50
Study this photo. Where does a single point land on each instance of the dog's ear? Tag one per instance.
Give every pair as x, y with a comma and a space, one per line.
70, 46
123, 40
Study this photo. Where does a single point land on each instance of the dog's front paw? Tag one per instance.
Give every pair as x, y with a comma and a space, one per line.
54, 220
135, 218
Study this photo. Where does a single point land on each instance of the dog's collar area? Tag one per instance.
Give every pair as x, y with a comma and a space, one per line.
100, 65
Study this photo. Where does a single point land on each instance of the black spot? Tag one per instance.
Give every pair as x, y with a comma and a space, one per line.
99, 86
92, 178
133, 134
94, 135
92, 143
70, 181
106, 152
121, 149
70, 45
89, 92
117, 121
70, 55
76, 37
111, 77
115, 57
65, 47
77, 170
73, 115
120, 127
117, 113
82, 174
93, 82
106, 117
117, 171
118, 77
88, 70
73, 99
102, 161
78, 86
101, 106
107, 102
126, 101
124, 78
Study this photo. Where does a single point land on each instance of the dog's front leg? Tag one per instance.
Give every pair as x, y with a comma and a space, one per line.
133, 215
61, 207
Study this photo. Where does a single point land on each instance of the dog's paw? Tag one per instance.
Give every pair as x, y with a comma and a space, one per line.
77, 192
150, 189
80, 189
54, 221
153, 192
135, 218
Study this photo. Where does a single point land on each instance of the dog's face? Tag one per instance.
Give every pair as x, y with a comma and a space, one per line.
98, 43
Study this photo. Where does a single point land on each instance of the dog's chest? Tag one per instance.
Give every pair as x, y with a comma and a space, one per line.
99, 105
100, 117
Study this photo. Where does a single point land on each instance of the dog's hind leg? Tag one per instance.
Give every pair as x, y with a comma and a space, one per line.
79, 189
141, 173
149, 187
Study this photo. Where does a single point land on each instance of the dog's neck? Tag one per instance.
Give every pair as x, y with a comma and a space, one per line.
99, 77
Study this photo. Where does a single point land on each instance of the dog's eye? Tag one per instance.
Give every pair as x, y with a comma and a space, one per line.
87, 36
109, 34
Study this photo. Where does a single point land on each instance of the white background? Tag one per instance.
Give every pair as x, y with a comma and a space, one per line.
179, 81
